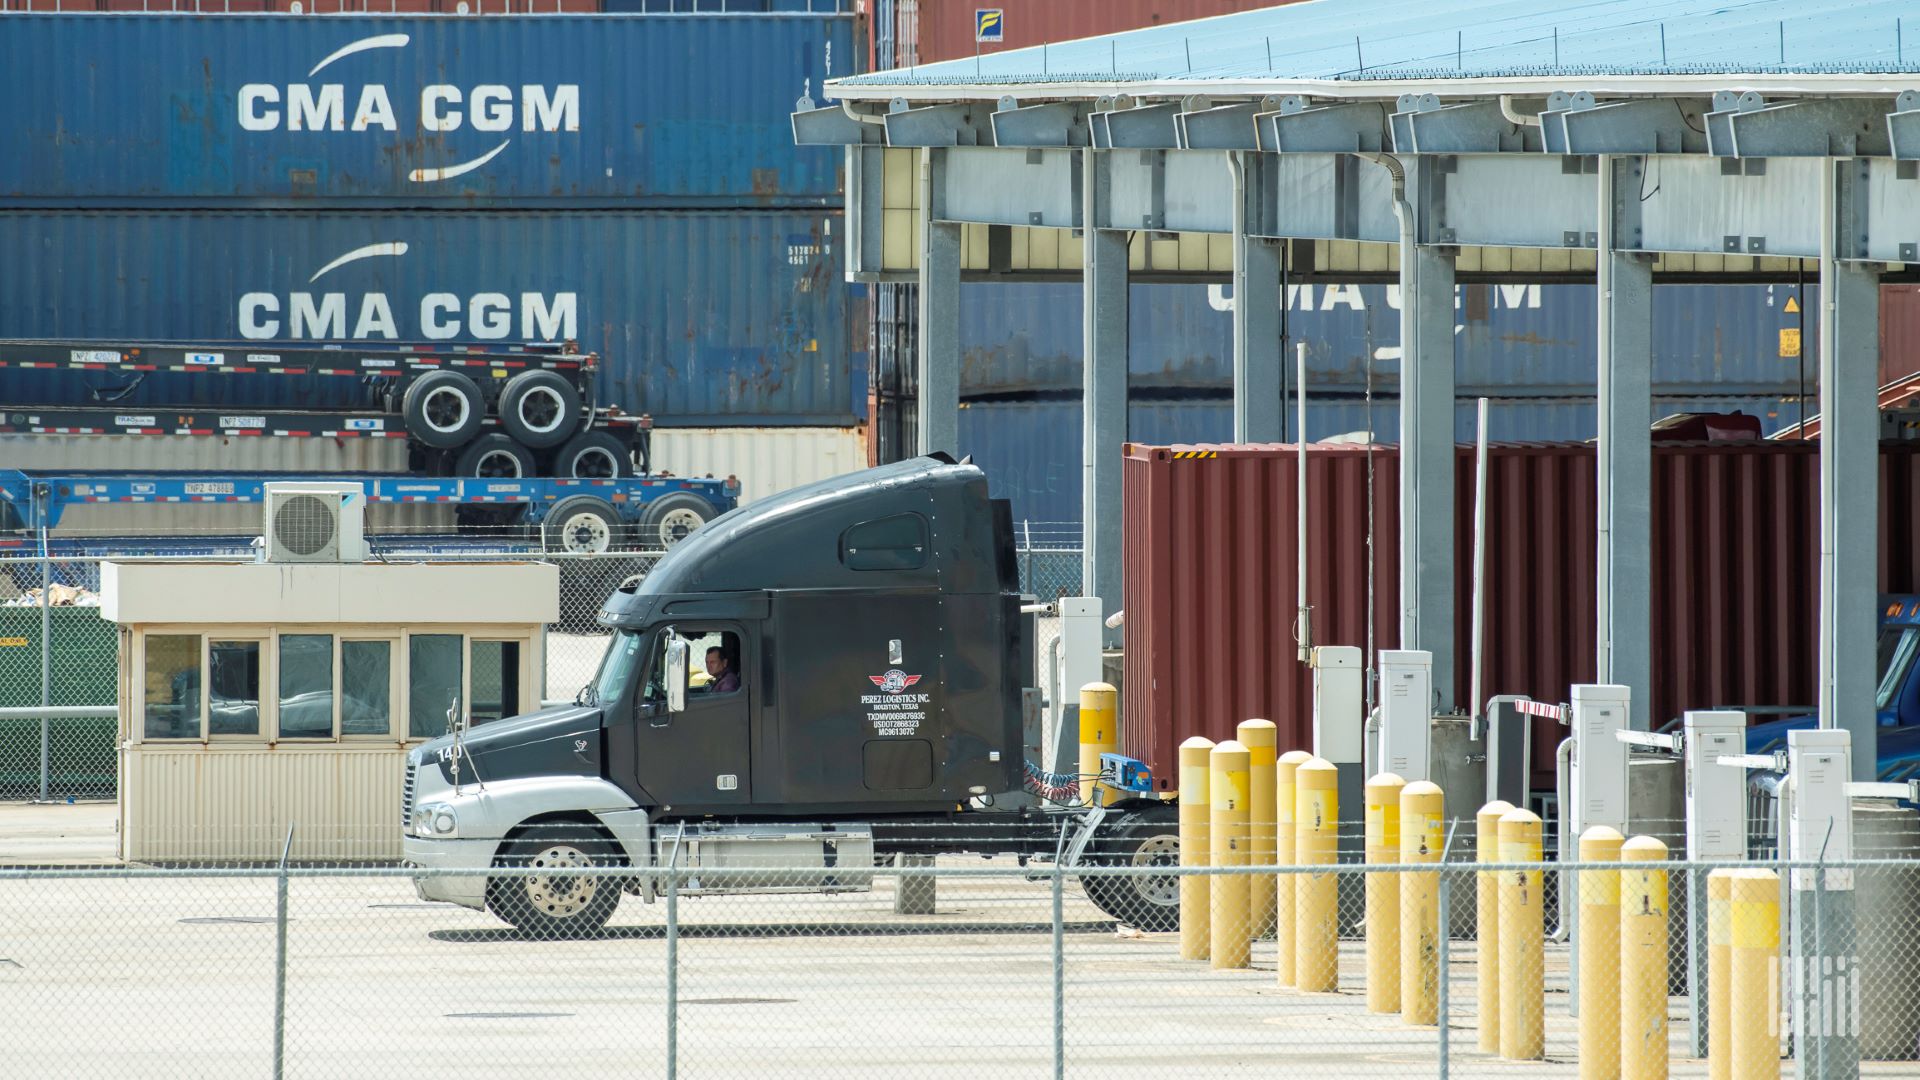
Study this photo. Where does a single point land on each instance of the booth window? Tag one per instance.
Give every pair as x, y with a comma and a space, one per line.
889, 543
172, 679
233, 688
496, 679
366, 688
306, 686
433, 681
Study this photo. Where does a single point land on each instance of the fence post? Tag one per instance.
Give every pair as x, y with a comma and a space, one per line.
673, 967
1444, 1005
1059, 981
280, 963
46, 659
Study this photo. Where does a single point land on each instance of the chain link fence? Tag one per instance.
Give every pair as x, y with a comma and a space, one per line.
56, 650
957, 967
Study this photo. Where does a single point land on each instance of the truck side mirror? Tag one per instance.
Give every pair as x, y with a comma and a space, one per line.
678, 650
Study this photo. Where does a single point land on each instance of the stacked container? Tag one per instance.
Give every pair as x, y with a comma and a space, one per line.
626, 182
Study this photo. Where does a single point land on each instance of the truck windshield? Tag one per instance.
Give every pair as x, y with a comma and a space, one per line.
616, 668
1897, 648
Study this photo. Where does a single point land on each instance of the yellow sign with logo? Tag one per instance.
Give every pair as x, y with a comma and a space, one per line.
13, 642
1789, 342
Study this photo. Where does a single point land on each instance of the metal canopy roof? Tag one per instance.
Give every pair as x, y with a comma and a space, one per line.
1375, 48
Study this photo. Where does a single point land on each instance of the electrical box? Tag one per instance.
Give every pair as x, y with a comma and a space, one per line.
1081, 635
1406, 713
1820, 824
1599, 760
1716, 794
1339, 704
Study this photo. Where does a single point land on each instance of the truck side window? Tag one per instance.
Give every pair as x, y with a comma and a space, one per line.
898, 542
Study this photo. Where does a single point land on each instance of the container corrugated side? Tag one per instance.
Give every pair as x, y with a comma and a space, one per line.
661, 111
1031, 450
1209, 550
1511, 339
700, 318
767, 461
947, 28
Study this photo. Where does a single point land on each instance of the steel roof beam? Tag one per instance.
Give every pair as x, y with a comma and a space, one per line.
1579, 124
939, 125
1423, 125
1147, 127
1055, 125
1223, 127
1903, 126
1745, 125
833, 127
1299, 127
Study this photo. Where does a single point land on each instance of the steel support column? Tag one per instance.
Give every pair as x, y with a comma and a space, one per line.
1104, 392
1256, 307
939, 404
1849, 467
1427, 453
1624, 566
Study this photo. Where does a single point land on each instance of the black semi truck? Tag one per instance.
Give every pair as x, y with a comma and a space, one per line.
868, 696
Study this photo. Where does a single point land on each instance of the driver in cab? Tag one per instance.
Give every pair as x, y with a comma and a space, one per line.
722, 674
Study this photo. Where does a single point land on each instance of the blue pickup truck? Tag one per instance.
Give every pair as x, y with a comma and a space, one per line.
1898, 699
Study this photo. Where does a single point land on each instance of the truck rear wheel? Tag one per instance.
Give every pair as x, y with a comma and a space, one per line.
443, 409
1141, 841
539, 408
561, 904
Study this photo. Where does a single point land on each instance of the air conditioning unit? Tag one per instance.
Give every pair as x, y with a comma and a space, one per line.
316, 523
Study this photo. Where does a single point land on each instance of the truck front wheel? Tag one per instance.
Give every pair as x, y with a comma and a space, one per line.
1140, 841
560, 904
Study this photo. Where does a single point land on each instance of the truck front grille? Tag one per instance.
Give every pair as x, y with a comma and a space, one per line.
406, 797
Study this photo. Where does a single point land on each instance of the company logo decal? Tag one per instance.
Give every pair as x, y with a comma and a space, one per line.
894, 681
439, 109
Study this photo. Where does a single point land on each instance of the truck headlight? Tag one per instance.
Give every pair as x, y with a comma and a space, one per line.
435, 819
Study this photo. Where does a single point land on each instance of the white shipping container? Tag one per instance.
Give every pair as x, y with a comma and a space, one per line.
767, 460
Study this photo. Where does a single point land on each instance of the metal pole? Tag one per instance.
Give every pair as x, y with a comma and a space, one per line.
1474, 701
280, 964
1059, 982
1305, 630
46, 647
1446, 951
1697, 929
673, 967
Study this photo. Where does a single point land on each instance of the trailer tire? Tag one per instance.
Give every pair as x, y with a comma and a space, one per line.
1142, 838
594, 455
495, 457
555, 908
671, 518
443, 409
583, 525
540, 408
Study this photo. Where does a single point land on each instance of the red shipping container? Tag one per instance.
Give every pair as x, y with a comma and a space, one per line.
946, 27
1210, 571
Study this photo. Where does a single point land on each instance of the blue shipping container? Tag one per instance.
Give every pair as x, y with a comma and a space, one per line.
1032, 454
1512, 339
673, 111
700, 318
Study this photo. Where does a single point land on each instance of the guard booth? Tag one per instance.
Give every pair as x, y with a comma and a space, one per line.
259, 695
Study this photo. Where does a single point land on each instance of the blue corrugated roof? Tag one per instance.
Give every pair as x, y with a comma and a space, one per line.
1366, 40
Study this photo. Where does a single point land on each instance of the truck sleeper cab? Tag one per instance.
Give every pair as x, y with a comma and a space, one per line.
869, 667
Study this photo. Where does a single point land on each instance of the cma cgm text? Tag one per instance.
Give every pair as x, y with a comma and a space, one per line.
442, 316
491, 107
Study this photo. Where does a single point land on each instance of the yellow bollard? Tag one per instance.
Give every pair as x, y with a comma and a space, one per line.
1316, 936
1099, 734
1232, 841
1422, 836
1383, 894
1487, 922
1643, 961
1522, 944
1753, 1037
1196, 847
1599, 945
1719, 972
1259, 737
1283, 844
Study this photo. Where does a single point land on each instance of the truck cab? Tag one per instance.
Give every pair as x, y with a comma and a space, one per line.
1897, 700
867, 667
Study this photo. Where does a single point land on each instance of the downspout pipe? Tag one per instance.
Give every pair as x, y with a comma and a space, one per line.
1410, 637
